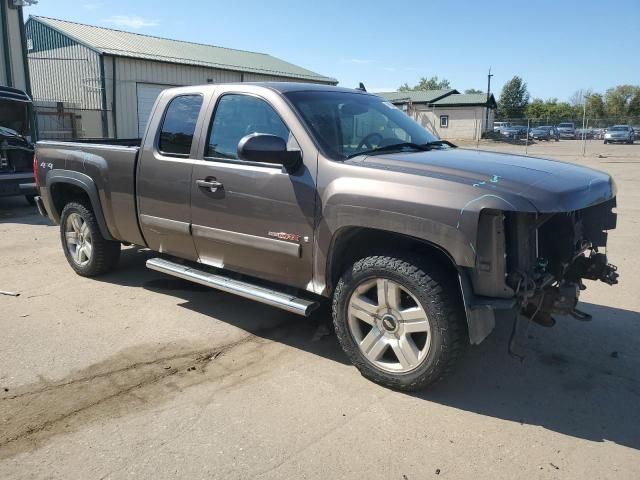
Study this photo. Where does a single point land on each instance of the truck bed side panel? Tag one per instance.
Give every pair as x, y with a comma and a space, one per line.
112, 169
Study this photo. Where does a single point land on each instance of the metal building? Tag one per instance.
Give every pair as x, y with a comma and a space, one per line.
94, 81
13, 62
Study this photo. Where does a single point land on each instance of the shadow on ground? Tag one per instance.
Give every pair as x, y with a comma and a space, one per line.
17, 210
578, 379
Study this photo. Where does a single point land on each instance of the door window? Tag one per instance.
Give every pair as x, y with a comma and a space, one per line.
239, 115
179, 125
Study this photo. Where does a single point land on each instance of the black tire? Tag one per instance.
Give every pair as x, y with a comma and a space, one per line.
104, 253
605, 142
437, 292
31, 200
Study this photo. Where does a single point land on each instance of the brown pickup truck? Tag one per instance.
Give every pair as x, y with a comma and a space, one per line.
291, 194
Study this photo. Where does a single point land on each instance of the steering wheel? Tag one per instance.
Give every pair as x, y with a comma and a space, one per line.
369, 140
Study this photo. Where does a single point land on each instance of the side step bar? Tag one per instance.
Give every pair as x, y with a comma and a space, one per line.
271, 297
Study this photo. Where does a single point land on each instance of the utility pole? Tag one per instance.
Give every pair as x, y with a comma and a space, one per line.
486, 108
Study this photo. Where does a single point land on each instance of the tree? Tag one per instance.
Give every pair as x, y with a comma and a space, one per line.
472, 91
433, 83
513, 99
595, 106
619, 99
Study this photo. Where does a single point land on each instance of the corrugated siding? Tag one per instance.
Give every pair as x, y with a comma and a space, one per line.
61, 69
130, 72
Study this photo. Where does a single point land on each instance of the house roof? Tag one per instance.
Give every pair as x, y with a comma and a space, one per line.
147, 47
416, 96
448, 97
466, 99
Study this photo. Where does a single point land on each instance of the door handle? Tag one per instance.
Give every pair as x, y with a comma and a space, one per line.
211, 185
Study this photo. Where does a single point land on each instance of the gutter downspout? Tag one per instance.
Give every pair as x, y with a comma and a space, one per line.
113, 98
5, 39
103, 85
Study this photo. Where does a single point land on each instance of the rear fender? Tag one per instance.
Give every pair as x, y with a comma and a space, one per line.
87, 185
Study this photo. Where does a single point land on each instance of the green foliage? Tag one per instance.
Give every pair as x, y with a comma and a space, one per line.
622, 101
433, 83
513, 99
619, 105
472, 91
550, 111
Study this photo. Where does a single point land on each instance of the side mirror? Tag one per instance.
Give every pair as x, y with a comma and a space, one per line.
267, 148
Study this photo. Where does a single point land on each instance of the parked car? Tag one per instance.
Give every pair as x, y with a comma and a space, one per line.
636, 131
546, 132
498, 126
514, 131
567, 130
620, 134
16, 148
584, 133
268, 191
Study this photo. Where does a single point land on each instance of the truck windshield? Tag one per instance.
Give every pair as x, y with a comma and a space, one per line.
345, 124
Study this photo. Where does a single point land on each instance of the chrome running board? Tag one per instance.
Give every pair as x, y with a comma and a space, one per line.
285, 301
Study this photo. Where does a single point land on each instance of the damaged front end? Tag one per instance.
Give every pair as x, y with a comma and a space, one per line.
541, 260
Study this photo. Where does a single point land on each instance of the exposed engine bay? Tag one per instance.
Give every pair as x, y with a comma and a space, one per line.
541, 260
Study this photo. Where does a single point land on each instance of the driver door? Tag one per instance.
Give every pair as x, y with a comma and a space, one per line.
248, 217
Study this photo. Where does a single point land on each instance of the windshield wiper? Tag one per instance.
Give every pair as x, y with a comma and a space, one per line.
395, 146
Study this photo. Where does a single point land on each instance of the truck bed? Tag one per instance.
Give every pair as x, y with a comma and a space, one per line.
110, 165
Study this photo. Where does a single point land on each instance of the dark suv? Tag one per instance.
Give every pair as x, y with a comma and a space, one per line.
16, 147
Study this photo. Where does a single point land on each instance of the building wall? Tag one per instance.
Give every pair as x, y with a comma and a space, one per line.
465, 123
130, 71
18, 77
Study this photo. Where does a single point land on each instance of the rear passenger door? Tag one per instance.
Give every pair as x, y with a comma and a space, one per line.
258, 219
164, 176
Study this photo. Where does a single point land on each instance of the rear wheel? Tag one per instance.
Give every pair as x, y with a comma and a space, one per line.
400, 326
87, 251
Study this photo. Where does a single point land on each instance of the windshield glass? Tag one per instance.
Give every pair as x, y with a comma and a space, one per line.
565, 125
345, 124
618, 129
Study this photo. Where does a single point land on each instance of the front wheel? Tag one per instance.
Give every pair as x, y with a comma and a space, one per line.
400, 323
87, 251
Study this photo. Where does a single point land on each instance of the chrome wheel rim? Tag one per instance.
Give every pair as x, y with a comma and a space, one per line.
389, 325
78, 239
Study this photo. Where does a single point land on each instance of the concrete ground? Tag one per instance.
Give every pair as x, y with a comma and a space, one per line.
138, 375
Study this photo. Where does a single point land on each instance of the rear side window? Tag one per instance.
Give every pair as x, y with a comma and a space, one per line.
179, 125
238, 115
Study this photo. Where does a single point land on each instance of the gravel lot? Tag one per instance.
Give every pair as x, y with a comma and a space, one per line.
138, 375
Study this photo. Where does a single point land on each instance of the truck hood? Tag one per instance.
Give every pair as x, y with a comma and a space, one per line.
549, 185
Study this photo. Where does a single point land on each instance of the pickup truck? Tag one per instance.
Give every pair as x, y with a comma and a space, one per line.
16, 147
294, 194
567, 131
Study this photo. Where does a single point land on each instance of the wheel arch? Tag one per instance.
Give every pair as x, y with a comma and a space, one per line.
65, 186
350, 244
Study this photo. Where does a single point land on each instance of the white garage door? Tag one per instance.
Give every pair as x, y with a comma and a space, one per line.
147, 94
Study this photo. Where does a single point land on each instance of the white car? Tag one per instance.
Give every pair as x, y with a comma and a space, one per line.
499, 126
619, 133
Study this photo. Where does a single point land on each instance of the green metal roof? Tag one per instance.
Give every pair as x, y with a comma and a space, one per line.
462, 99
135, 45
416, 96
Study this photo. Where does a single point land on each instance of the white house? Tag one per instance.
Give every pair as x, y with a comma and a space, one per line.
447, 113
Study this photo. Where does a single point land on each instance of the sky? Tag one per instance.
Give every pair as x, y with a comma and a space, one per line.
557, 47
